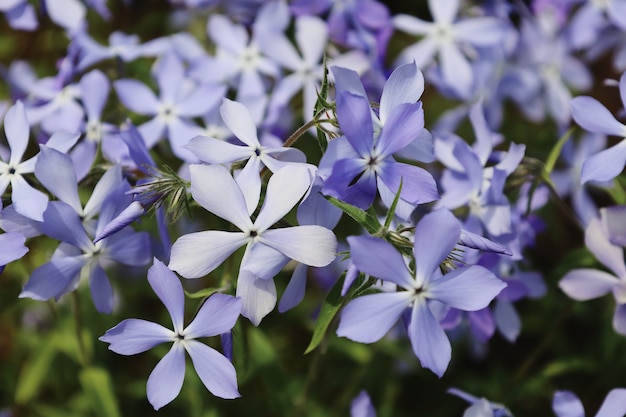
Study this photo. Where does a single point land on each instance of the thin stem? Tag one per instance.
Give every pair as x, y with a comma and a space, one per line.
78, 327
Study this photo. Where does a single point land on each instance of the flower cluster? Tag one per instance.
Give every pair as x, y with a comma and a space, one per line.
257, 149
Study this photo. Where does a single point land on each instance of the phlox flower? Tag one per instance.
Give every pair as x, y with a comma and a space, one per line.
13, 248
267, 250
586, 283
567, 404
368, 318
217, 315
591, 115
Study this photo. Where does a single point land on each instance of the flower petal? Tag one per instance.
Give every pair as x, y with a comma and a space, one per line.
196, 254
238, 119
294, 292
166, 380
215, 190
216, 151
435, 237
217, 315
55, 171
216, 372
17, 130
354, 116
405, 85
101, 290
469, 288
368, 318
614, 404
133, 336
591, 115
310, 244
137, 97
168, 288
54, 279
378, 258
28, 201
604, 165
598, 243
258, 296
567, 404
429, 341
586, 284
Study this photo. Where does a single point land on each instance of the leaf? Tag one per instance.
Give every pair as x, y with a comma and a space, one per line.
392, 209
203, 293
97, 385
35, 371
369, 222
330, 307
555, 152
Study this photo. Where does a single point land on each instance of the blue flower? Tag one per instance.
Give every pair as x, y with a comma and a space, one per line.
216, 316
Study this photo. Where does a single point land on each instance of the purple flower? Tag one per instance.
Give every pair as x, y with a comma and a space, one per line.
216, 316
13, 248
368, 318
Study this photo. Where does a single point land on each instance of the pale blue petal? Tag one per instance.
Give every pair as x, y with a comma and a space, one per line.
608, 254
111, 180
311, 37
619, 319
368, 318
169, 74
218, 315
28, 201
294, 292
614, 404
567, 404
353, 115
405, 123
435, 237
468, 288
215, 190
129, 247
55, 171
133, 336
13, 248
284, 189
54, 279
215, 371
166, 380
62, 223
101, 290
216, 151
310, 244
137, 97
429, 341
17, 130
94, 92
258, 296
238, 119
263, 261
249, 182
594, 117
507, 320
456, 70
605, 165
586, 284
405, 85
444, 11
378, 258
168, 288
196, 254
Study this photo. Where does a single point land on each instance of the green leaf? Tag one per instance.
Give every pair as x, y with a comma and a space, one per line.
96, 383
392, 209
369, 222
617, 192
35, 371
330, 307
555, 152
203, 293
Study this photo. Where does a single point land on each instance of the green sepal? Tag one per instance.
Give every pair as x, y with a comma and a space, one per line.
203, 293
321, 104
392, 209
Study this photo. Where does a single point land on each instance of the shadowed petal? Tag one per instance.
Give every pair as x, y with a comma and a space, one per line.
368, 318
216, 372
604, 165
238, 119
294, 292
614, 404
258, 296
54, 279
354, 116
594, 117
28, 201
136, 96
598, 243
166, 380
405, 85
101, 290
216, 151
62, 223
13, 248
55, 171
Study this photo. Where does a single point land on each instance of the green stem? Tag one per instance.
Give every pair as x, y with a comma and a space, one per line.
78, 327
